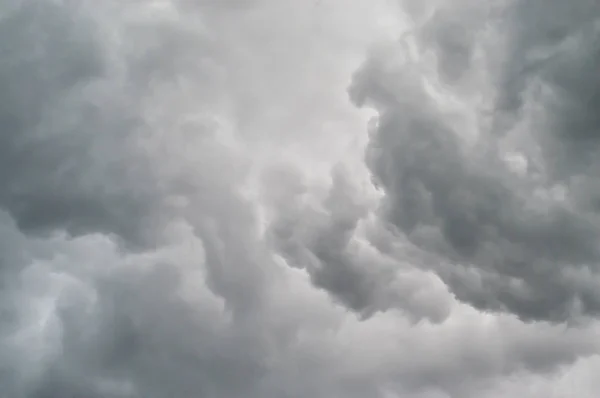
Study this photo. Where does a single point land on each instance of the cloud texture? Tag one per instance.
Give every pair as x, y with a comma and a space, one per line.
282, 199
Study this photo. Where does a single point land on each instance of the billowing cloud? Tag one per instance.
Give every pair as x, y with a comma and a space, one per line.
499, 188
186, 210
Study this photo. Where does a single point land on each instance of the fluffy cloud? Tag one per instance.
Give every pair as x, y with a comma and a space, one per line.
186, 210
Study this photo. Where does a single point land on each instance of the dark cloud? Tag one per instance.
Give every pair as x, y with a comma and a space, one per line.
67, 127
198, 134
526, 254
321, 237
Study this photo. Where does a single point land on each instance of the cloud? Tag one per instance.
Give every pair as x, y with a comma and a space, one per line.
68, 125
324, 236
507, 240
185, 208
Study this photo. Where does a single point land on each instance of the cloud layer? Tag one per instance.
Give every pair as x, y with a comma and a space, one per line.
279, 198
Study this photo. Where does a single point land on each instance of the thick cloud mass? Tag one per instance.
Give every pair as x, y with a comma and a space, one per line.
66, 127
194, 204
510, 211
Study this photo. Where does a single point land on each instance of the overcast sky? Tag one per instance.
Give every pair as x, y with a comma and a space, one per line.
299, 198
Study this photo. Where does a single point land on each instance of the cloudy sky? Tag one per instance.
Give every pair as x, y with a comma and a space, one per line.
299, 198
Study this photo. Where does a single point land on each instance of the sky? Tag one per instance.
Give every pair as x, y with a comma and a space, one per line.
298, 198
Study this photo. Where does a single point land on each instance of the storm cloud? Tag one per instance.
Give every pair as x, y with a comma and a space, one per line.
503, 194
279, 198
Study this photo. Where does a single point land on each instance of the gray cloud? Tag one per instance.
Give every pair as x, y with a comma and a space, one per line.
67, 127
184, 211
502, 245
321, 237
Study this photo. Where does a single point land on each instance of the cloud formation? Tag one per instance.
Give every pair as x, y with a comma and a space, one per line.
191, 204
503, 192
